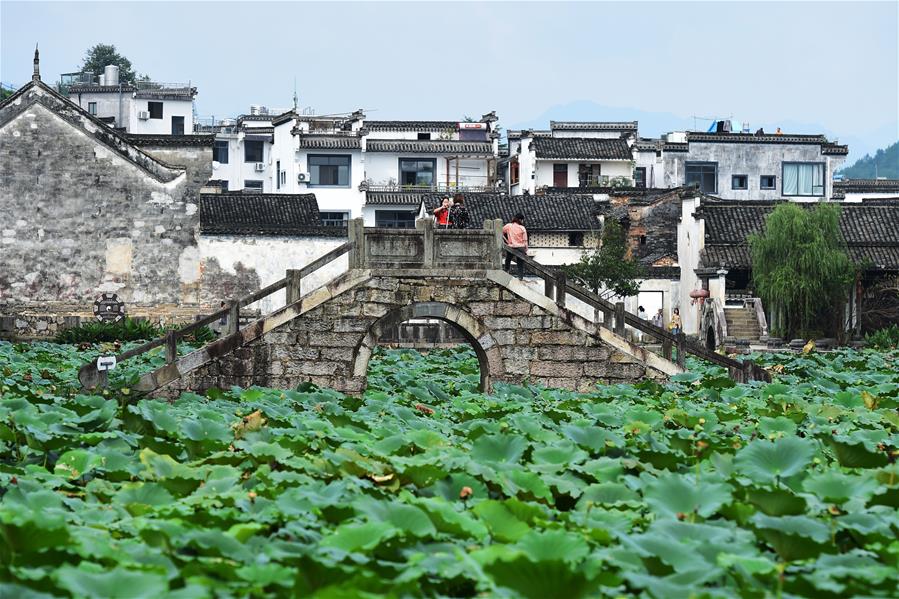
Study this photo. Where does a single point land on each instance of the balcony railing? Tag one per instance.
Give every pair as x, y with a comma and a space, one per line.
436, 188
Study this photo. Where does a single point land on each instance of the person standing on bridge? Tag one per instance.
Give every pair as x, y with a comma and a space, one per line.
516, 236
458, 216
442, 212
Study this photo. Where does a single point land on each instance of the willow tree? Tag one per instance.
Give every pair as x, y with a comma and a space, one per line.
801, 269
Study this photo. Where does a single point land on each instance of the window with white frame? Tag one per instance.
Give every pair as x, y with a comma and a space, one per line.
803, 179
334, 219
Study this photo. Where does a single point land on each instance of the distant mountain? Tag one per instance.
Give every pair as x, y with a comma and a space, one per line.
884, 163
654, 124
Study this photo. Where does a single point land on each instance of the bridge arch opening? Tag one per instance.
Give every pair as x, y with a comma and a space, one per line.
467, 326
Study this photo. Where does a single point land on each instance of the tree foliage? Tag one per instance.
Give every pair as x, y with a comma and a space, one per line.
98, 57
609, 266
801, 269
885, 163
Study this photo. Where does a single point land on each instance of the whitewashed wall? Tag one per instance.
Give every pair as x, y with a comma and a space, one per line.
270, 257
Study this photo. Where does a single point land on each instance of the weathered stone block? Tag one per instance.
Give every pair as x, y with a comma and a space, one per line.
513, 309
343, 354
351, 325
319, 368
555, 338
333, 340
556, 369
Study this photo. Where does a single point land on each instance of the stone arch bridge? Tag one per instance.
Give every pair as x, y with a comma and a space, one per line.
519, 332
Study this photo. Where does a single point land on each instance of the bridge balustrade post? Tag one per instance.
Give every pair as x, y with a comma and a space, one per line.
293, 285
233, 316
426, 226
560, 290
549, 288
666, 349
356, 234
171, 347
496, 252
681, 349
619, 319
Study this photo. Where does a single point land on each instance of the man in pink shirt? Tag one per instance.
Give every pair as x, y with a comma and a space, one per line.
516, 236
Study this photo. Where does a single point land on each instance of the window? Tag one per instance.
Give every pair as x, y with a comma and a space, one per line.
703, 174
739, 182
155, 109
177, 125
278, 174
417, 172
514, 172
640, 176
642, 239
220, 152
768, 182
92, 108
395, 219
560, 175
253, 185
803, 179
575, 239
283, 177
424, 136
252, 151
329, 170
589, 175
334, 219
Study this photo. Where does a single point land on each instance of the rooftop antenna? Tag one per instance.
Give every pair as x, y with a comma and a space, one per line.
294, 93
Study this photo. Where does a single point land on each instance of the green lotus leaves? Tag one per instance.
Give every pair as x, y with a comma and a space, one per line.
769, 462
678, 496
697, 487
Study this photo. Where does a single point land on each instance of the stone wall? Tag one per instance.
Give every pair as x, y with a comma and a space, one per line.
515, 339
85, 212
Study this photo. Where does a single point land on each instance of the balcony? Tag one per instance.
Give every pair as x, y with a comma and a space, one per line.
437, 188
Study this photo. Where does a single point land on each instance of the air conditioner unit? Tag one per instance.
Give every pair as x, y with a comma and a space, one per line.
303, 178
143, 115
260, 167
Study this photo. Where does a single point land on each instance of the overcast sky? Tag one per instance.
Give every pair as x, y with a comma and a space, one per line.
829, 63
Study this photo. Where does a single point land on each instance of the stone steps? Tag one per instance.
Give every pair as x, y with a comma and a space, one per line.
742, 323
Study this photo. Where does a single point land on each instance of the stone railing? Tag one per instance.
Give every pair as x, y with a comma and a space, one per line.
426, 247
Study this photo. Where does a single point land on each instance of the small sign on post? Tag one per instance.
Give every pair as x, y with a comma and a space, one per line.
106, 363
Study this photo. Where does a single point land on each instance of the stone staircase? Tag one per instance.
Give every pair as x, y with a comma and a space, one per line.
742, 323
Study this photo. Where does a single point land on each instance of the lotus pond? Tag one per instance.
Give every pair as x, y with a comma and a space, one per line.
425, 487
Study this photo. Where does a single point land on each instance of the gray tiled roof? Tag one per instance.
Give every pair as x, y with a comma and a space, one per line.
140, 140
406, 198
411, 125
261, 214
329, 142
541, 213
871, 232
593, 126
867, 185
581, 148
412, 146
827, 147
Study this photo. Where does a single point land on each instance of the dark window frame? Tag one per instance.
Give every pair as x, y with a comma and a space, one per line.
246, 150
389, 219
349, 172
92, 108
217, 147
762, 182
399, 171
641, 180
151, 108
701, 165
575, 239
735, 178
334, 218
175, 120
254, 186
278, 174
514, 172
783, 191
424, 137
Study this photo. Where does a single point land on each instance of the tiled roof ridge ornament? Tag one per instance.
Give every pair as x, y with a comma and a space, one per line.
37, 65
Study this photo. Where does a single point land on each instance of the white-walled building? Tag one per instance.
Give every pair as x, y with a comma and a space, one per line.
742, 166
142, 108
570, 155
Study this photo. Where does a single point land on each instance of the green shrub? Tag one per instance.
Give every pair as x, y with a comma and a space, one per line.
97, 332
885, 338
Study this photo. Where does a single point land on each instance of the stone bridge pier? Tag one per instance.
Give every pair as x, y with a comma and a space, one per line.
327, 337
